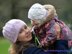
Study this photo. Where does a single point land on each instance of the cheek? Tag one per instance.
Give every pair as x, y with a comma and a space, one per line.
22, 37
33, 22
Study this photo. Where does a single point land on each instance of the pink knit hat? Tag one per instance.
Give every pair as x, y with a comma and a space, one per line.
12, 28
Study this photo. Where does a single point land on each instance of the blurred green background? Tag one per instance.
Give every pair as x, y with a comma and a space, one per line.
10, 9
4, 45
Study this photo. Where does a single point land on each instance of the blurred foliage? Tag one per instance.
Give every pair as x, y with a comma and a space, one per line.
10, 9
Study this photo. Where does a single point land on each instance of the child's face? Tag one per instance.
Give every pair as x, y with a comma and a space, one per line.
25, 34
36, 23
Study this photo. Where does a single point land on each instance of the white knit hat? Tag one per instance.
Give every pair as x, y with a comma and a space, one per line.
12, 28
37, 11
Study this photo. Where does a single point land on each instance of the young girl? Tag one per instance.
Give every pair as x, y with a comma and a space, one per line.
46, 26
19, 34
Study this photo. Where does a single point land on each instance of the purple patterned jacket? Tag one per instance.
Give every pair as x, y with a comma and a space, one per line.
53, 30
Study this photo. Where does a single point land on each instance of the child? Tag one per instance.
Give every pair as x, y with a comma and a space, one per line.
47, 27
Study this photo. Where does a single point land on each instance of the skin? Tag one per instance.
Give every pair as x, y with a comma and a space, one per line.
25, 34
35, 23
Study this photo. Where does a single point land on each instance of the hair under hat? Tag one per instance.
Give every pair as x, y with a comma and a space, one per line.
51, 9
12, 28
